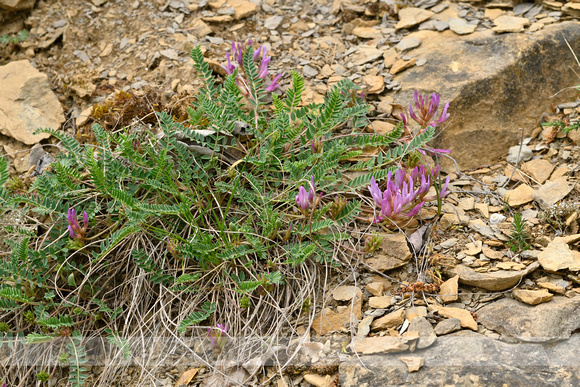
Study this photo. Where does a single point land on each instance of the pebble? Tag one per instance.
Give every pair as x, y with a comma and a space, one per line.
408, 43
515, 155
447, 326
273, 22
461, 26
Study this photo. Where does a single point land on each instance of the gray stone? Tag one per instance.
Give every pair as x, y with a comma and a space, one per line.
497, 280
552, 321
408, 43
27, 103
447, 326
273, 22
468, 360
515, 155
552, 192
491, 99
426, 333
310, 71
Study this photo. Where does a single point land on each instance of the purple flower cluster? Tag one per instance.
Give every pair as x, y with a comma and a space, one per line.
401, 198
216, 336
237, 54
426, 111
306, 200
74, 229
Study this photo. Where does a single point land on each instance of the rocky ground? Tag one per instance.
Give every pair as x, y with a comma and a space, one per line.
504, 67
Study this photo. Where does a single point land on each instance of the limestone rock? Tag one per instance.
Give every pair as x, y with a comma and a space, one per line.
201, 29
367, 32
376, 288
385, 344
328, 320
485, 119
539, 169
572, 8
242, 8
554, 288
27, 103
517, 153
382, 302
532, 297
465, 318
520, 195
402, 64
471, 359
365, 54
346, 293
447, 326
426, 333
408, 43
461, 26
510, 24
16, 5
552, 192
413, 363
497, 280
394, 252
554, 320
375, 83
319, 380
411, 16
559, 256
364, 327
273, 22
449, 289
391, 320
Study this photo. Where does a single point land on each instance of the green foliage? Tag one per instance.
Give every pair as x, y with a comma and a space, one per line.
562, 126
15, 39
519, 238
196, 317
189, 209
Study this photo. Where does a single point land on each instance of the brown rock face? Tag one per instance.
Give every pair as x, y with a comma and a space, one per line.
495, 84
27, 103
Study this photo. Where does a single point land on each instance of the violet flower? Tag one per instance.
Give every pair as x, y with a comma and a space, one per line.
274, 84
216, 336
404, 195
427, 109
306, 200
74, 229
259, 54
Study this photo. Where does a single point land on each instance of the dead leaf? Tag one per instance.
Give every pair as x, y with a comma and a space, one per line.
186, 377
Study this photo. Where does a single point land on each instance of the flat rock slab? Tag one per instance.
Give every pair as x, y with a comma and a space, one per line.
554, 320
470, 359
27, 103
491, 82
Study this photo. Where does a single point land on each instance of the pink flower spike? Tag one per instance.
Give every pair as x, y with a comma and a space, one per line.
85, 222
274, 85
375, 191
415, 210
302, 198
256, 53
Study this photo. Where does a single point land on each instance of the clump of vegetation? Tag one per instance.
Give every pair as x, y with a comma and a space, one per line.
218, 227
520, 238
6, 40
557, 215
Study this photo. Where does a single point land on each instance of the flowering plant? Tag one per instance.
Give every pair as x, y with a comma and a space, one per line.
216, 336
74, 229
400, 198
307, 200
238, 56
426, 111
